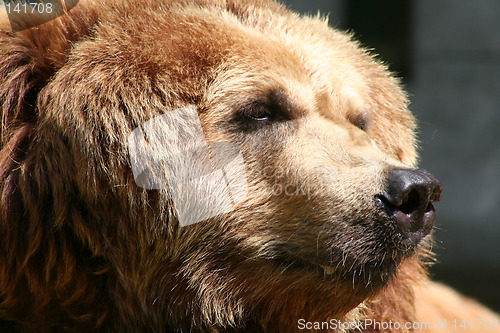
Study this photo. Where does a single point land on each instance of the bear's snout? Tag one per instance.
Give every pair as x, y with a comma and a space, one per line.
408, 198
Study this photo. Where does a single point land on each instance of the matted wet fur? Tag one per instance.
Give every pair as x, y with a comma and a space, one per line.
82, 247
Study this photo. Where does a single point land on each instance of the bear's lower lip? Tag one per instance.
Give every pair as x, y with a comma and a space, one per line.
369, 277
322, 271
331, 269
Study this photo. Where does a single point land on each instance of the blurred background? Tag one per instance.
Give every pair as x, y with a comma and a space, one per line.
448, 55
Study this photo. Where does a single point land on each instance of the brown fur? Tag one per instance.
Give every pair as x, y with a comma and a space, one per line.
82, 247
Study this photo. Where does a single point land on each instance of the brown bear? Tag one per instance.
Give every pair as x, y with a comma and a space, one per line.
209, 166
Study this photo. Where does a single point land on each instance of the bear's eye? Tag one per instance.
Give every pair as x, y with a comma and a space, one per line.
257, 112
360, 121
263, 113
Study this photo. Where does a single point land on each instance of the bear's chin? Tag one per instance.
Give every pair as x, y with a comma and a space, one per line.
371, 267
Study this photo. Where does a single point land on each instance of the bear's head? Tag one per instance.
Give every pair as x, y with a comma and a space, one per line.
203, 165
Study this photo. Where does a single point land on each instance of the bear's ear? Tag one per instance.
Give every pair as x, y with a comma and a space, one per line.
29, 58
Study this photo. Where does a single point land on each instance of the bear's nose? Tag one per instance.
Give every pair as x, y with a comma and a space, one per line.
408, 198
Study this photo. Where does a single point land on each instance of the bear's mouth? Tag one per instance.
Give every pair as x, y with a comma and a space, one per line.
365, 274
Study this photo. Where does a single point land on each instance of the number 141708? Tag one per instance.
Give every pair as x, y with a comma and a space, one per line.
29, 8
483, 324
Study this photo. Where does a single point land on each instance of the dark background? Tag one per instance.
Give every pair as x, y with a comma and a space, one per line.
448, 54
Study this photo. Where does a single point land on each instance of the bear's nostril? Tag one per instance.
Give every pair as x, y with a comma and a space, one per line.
410, 202
408, 198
